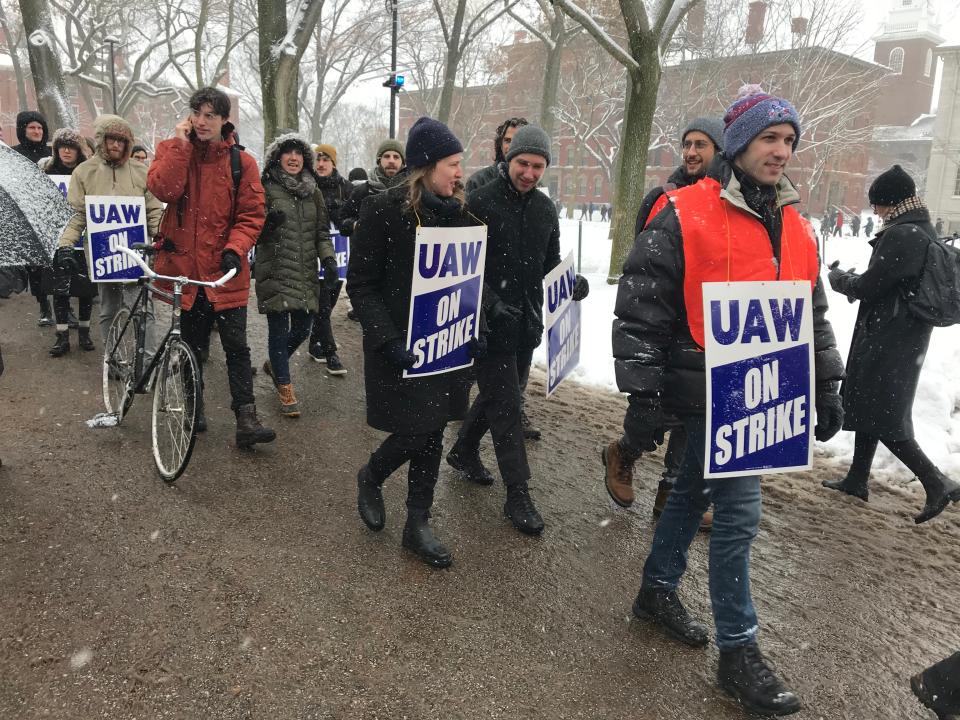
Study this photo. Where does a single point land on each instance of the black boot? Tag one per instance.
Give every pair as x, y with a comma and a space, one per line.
418, 537
941, 491
522, 512
851, 486
470, 465
83, 339
249, 429
744, 674
530, 431
370, 500
938, 687
62, 344
665, 609
46, 315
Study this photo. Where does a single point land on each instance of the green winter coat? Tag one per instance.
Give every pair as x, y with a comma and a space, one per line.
287, 255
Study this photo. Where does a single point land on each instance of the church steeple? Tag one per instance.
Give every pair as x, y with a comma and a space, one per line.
906, 44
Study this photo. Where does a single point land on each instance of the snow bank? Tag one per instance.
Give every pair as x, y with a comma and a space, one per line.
936, 413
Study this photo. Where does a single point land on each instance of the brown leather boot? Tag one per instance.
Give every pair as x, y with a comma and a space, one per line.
288, 401
619, 473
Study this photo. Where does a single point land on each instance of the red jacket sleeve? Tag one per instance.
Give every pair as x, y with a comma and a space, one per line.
167, 176
251, 209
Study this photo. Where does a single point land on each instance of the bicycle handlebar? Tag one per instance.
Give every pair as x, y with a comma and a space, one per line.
181, 279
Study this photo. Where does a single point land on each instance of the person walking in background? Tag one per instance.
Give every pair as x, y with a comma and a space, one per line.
209, 228
523, 245
658, 332
701, 141
414, 411
855, 225
336, 191
33, 134
838, 223
868, 228
889, 344
295, 236
70, 280
501, 146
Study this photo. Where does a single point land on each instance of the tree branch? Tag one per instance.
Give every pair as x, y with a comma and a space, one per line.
598, 34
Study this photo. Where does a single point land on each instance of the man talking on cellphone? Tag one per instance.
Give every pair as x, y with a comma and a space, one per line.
215, 213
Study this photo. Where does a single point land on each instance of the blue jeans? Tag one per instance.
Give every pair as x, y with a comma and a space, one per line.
285, 332
736, 518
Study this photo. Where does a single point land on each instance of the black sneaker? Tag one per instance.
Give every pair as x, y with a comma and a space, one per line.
744, 674
334, 366
665, 609
523, 513
530, 431
317, 353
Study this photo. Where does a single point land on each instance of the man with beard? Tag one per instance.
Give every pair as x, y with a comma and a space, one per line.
32, 133
109, 172
701, 141
336, 191
734, 225
387, 173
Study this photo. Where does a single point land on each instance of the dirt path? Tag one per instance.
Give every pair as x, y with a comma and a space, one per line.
252, 590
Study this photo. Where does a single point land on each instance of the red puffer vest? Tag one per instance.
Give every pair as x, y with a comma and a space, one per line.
722, 242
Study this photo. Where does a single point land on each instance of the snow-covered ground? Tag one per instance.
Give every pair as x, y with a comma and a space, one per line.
936, 413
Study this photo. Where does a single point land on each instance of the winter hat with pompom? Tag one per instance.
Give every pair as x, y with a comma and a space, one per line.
892, 187
750, 114
430, 140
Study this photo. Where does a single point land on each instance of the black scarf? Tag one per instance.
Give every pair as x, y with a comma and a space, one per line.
444, 207
762, 199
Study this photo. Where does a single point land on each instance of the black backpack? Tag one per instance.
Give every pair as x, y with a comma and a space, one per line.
935, 297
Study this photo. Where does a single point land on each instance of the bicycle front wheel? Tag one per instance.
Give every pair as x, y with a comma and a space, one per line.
176, 395
119, 358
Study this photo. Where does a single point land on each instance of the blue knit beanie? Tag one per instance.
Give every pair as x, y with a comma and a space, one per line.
430, 140
750, 114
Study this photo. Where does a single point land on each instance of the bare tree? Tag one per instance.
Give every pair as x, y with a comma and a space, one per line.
12, 44
45, 63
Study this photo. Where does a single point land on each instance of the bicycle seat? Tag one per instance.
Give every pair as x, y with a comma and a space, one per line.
145, 248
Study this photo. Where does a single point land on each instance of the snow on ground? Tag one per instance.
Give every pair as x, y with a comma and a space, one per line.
936, 413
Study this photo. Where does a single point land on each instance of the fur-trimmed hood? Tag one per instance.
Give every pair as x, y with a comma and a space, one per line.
112, 125
66, 137
285, 142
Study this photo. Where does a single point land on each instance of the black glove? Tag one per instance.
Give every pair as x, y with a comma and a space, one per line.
644, 423
229, 260
477, 347
65, 260
162, 242
275, 218
504, 315
837, 277
829, 412
581, 288
397, 354
331, 273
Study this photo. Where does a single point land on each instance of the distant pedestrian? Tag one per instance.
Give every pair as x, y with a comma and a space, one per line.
889, 345
414, 411
868, 228
583, 211
939, 227
838, 223
855, 225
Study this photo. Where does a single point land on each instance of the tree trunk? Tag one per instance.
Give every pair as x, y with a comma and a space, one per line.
14, 61
551, 86
45, 65
452, 64
277, 87
641, 102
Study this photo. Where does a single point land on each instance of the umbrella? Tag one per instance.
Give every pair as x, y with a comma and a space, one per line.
33, 213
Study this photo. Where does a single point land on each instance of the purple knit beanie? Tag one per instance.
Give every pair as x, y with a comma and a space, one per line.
750, 114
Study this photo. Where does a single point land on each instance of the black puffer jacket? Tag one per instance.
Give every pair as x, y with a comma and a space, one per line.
483, 177
336, 191
377, 183
678, 178
523, 245
889, 343
33, 150
654, 353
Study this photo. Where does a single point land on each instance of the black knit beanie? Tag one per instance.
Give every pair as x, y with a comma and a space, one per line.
892, 187
430, 140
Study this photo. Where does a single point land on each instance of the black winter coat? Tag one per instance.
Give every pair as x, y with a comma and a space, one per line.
678, 178
654, 353
523, 245
483, 177
336, 191
889, 343
33, 150
376, 184
379, 280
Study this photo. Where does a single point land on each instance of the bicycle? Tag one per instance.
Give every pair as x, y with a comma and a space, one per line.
173, 372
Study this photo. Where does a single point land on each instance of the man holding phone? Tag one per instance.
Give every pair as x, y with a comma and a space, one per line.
215, 214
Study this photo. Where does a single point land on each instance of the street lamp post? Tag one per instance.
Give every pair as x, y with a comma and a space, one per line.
112, 40
394, 82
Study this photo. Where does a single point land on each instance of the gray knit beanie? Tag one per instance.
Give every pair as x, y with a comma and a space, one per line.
712, 127
529, 139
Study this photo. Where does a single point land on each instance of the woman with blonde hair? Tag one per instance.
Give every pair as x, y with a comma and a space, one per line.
414, 411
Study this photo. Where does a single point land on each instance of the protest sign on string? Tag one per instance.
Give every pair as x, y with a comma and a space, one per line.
562, 323
114, 221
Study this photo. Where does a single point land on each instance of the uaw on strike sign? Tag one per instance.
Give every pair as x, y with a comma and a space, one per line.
448, 268
562, 323
112, 222
63, 184
759, 362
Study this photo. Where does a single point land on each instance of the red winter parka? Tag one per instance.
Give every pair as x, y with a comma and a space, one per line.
194, 178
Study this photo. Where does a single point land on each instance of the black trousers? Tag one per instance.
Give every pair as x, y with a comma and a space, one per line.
423, 452
322, 331
906, 451
196, 324
497, 409
61, 309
